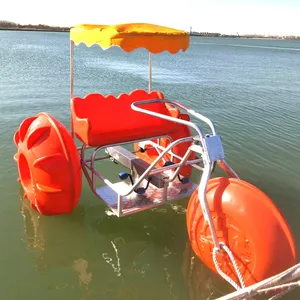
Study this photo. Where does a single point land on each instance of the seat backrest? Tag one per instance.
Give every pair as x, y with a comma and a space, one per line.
113, 119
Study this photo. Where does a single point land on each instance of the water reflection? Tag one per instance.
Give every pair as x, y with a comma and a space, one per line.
200, 281
55, 241
142, 256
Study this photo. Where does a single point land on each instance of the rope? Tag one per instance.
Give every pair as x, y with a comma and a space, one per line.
225, 276
284, 292
288, 286
282, 286
258, 288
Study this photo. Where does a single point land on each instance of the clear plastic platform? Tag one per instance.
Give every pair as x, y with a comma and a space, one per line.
153, 196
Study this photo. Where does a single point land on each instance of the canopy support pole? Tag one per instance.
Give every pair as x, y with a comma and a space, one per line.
150, 72
71, 81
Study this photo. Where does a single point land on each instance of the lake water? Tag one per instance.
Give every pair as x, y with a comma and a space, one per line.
249, 88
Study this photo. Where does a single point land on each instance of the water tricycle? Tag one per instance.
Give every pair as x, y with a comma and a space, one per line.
233, 227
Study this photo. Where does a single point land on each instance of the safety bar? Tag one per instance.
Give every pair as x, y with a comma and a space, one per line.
135, 107
174, 155
84, 146
198, 129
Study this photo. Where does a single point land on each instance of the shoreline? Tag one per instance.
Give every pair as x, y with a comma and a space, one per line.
246, 36
35, 29
194, 34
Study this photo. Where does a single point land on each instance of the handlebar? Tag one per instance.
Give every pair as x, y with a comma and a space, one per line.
135, 107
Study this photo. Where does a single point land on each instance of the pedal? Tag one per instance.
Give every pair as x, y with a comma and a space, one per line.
139, 190
183, 180
124, 176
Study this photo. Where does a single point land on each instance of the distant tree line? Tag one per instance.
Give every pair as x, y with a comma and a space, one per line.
211, 34
12, 25
216, 34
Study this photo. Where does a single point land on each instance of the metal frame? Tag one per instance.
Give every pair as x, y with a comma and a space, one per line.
210, 149
208, 146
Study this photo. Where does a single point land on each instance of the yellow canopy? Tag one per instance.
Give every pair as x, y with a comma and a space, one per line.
131, 36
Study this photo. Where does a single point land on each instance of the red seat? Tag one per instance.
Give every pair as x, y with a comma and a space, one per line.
100, 120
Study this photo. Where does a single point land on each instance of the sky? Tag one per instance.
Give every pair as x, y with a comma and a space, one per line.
268, 17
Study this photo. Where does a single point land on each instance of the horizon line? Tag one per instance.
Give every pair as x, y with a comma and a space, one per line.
195, 33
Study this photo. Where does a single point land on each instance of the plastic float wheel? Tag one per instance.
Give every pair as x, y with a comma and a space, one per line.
183, 131
48, 165
251, 226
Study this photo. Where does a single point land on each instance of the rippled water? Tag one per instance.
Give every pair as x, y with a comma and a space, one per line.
250, 88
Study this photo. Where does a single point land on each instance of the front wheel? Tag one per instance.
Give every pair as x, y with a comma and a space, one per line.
248, 222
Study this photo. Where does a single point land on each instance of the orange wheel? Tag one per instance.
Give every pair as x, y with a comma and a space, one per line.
48, 165
251, 226
183, 131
